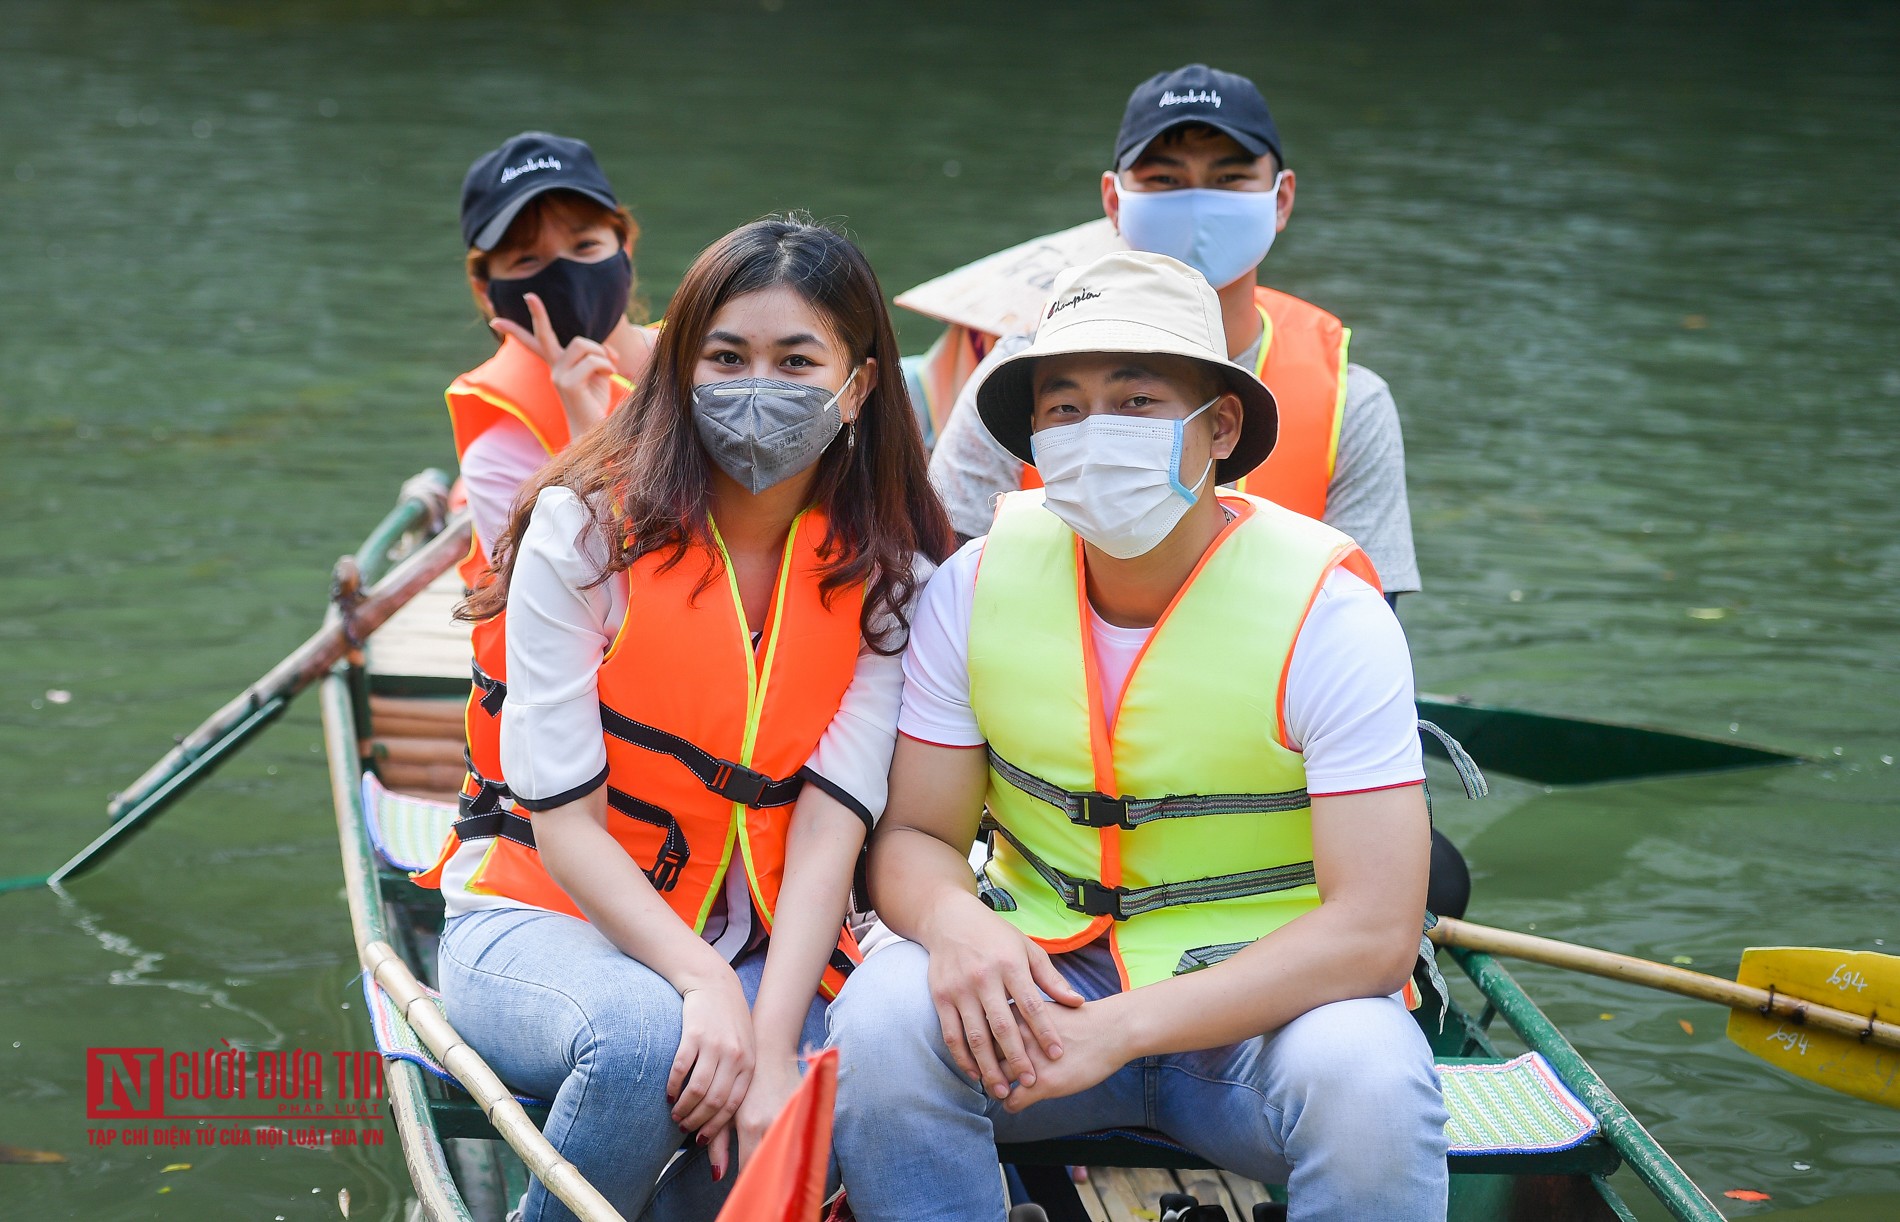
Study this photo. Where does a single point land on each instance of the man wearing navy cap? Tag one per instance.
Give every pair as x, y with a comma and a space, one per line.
1198, 174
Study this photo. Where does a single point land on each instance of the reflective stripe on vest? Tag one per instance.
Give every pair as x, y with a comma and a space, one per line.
1182, 824
1303, 362
513, 384
705, 736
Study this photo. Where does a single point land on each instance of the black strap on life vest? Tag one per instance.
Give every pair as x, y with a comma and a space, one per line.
494, 691
1090, 897
1100, 810
733, 782
503, 823
487, 796
483, 816
674, 851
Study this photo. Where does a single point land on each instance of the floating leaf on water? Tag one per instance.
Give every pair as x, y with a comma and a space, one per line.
1746, 1194
1694, 322
1688, 1028
343, 1201
1682, 959
174, 1167
1708, 612
20, 1154
162, 1191
1606, 1016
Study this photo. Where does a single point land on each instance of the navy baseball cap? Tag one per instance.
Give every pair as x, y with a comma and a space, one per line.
500, 183
1196, 94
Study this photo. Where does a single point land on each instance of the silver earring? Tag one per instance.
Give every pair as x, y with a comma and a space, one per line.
851, 436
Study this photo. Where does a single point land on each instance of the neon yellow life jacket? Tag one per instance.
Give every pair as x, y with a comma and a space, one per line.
1182, 827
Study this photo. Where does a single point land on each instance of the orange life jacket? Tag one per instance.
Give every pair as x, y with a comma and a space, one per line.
512, 384
1303, 362
706, 736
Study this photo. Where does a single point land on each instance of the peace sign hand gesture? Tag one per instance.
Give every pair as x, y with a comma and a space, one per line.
583, 370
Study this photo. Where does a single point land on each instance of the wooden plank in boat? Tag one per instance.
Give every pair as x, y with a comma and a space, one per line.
1245, 1193
1091, 1201
1207, 1188
1120, 1196
424, 638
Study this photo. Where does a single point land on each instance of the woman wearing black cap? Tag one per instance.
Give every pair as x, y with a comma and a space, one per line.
550, 263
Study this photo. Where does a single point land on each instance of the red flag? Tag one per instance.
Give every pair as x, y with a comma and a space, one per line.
785, 1181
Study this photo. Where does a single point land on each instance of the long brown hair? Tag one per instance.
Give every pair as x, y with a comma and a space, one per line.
644, 475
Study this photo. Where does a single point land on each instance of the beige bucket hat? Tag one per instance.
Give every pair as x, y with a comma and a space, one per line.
1130, 301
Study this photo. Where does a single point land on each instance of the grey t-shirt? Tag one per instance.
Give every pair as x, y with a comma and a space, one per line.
1365, 499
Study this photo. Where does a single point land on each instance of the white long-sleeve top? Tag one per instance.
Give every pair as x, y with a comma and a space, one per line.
560, 625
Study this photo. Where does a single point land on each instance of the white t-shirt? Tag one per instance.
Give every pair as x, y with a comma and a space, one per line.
551, 741
495, 467
1349, 702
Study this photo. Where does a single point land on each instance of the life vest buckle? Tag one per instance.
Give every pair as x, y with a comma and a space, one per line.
1094, 899
493, 690
738, 783
1099, 810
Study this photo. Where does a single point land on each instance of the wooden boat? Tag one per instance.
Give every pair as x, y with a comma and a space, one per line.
1536, 1135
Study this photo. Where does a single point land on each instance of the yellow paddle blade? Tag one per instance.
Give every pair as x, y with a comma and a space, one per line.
1859, 981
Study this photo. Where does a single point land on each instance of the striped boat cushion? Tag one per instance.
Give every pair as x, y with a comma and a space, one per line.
407, 831
1519, 1106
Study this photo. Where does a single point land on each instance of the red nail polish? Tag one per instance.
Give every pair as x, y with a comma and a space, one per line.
704, 1140
719, 1173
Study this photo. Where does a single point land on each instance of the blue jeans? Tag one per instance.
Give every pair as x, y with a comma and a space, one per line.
1342, 1105
559, 1012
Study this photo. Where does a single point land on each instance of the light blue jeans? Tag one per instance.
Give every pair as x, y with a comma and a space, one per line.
558, 1012
1342, 1105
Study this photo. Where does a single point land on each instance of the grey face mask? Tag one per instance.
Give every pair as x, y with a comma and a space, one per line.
762, 431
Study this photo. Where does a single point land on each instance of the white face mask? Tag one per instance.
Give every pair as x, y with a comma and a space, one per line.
1116, 480
1221, 234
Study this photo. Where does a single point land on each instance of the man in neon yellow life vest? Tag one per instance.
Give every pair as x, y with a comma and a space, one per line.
1188, 716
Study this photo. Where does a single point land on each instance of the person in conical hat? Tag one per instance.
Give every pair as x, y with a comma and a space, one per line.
1185, 716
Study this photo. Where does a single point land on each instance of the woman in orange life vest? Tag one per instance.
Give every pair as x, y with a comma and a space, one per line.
550, 263
705, 601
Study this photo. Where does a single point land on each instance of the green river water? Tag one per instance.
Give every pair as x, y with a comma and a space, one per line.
1631, 270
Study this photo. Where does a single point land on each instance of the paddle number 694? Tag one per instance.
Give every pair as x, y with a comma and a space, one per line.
1793, 1041
1844, 980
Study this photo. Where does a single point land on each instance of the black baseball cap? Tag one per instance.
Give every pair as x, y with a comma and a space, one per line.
1196, 94
501, 182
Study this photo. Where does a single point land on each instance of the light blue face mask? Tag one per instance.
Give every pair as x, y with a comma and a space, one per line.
1220, 234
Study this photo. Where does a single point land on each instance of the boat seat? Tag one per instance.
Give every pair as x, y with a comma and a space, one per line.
1506, 1117
407, 831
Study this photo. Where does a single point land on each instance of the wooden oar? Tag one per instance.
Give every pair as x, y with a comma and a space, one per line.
199, 752
498, 1104
1554, 750
1814, 1012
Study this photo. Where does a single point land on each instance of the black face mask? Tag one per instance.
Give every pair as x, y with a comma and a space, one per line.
586, 299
